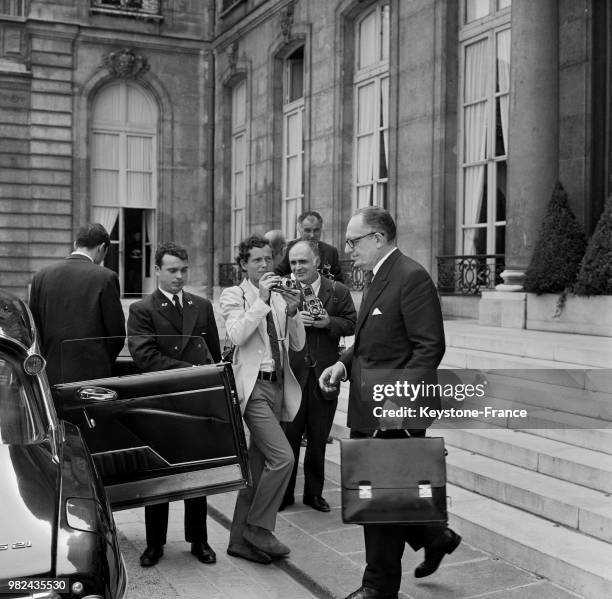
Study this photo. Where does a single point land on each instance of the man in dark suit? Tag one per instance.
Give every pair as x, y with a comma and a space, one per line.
173, 329
310, 225
399, 326
336, 318
77, 309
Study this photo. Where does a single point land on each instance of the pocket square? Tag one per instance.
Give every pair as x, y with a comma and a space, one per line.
376, 312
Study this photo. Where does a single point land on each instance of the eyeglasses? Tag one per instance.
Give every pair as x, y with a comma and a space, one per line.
351, 242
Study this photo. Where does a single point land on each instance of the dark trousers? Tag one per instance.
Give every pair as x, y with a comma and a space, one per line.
315, 416
156, 522
384, 543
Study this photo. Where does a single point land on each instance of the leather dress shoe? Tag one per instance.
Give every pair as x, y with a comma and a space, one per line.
316, 502
369, 593
448, 542
204, 552
151, 555
286, 502
265, 541
250, 553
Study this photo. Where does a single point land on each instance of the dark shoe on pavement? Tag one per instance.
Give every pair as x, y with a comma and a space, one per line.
369, 593
151, 555
250, 553
447, 543
204, 552
316, 502
265, 541
287, 501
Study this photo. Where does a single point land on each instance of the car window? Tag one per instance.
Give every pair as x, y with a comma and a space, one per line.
20, 422
88, 358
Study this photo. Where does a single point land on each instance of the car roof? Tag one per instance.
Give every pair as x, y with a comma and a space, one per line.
16, 322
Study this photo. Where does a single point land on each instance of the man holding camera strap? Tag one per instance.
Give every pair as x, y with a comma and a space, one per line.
328, 313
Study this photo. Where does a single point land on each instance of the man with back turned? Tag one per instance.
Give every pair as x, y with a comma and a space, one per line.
399, 326
77, 309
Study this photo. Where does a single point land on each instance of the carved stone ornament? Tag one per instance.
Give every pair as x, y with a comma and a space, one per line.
232, 55
286, 20
125, 64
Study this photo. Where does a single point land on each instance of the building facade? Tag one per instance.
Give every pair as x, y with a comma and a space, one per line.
459, 117
105, 112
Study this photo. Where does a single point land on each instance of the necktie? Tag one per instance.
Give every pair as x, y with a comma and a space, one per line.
177, 304
273, 335
368, 275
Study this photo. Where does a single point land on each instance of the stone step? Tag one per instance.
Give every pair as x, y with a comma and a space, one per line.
560, 501
464, 357
565, 556
587, 350
577, 465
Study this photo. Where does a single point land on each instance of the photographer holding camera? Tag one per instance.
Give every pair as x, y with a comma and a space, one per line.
328, 313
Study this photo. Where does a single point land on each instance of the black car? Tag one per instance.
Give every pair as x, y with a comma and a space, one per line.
71, 454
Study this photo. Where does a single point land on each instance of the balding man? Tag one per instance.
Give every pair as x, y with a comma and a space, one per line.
399, 327
334, 317
310, 225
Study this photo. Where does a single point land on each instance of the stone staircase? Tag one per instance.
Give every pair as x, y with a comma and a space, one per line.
536, 491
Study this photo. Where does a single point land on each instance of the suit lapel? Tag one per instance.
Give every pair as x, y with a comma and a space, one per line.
167, 310
325, 291
190, 315
249, 298
378, 284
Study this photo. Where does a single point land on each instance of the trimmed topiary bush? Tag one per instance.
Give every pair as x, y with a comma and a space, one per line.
559, 249
595, 275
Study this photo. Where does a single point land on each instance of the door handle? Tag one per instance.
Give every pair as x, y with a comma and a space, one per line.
97, 394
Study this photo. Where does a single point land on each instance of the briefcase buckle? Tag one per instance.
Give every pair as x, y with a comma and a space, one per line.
425, 490
365, 490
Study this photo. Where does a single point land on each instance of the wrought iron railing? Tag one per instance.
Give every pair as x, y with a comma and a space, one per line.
469, 275
144, 7
12, 8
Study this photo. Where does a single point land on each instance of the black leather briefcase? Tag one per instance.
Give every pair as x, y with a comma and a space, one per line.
394, 481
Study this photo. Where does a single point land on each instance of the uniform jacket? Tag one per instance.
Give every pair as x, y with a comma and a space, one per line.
329, 261
77, 299
158, 341
245, 321
322, 344
399, 326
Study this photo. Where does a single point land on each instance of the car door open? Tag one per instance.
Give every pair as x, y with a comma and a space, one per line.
161, 436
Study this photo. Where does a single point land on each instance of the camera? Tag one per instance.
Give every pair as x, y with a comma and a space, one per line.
285, 284
312, 304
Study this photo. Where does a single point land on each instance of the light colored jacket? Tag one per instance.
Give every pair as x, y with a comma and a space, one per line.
245, 322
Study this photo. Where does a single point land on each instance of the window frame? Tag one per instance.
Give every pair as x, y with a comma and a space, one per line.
487, 28
237, 131
292, 108
373, 74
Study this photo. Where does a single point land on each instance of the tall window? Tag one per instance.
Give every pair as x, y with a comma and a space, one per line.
484, 89
293, 142
124, 179
239, 163
371, 82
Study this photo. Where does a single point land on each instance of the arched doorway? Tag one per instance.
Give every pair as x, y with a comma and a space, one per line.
123, 139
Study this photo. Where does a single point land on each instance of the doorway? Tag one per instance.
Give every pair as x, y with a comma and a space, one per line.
131, 252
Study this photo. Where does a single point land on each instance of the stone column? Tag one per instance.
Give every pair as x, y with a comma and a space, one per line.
533, 130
